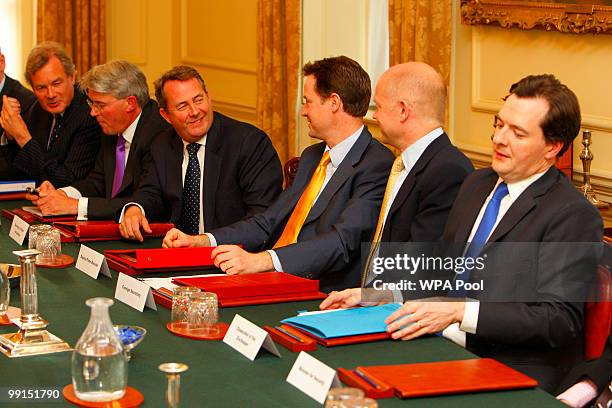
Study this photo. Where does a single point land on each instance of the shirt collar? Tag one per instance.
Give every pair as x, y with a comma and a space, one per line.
2, 83
201, 141
516, 189
413, 152
339, 151
128, 134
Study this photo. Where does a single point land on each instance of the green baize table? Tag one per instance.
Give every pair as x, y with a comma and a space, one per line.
218, 376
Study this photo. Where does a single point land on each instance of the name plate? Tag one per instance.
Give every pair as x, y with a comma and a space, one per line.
312, 377
92, 262
247, 338
134, 293
19, 230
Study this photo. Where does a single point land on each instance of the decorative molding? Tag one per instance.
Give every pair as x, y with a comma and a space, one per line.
486, 105
222, 65
526, 15
237, 111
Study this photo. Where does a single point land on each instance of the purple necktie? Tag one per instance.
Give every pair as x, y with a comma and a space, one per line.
119, 165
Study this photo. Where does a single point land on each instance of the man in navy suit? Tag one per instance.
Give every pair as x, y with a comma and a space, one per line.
208, 170
118, 95
11, 88
342, 180
541, 239
57, 140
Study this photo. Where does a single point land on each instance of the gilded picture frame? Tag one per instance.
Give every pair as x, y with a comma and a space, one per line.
566, 16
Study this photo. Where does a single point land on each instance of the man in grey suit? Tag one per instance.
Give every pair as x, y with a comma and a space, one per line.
315, 228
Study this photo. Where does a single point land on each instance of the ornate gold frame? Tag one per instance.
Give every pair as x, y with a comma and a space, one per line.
549, 15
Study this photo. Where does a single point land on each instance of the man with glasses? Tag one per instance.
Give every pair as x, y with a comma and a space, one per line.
118, 96
208, 170
56, 140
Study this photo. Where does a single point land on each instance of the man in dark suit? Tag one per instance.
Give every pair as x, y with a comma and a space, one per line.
410, 106
118, 95
539, 238
25, 98
315, 228
58, 140
208, 170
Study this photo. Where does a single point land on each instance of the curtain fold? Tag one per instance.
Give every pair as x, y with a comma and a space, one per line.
79, 25
278, 56
421, 30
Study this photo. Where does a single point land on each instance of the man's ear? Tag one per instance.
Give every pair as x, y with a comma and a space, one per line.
335, 102
405, 109
164, 115
132, 103
552, 149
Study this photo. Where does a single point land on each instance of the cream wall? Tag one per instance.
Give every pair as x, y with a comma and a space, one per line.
487, 60
217, 37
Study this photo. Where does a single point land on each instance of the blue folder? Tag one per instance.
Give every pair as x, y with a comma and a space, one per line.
345, 322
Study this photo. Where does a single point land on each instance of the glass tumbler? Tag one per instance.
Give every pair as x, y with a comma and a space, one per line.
49, 244
180, 303
33, 233
203, 312
336, 395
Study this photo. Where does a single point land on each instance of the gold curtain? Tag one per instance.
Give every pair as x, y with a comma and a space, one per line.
79, 25
420, 30
278, 56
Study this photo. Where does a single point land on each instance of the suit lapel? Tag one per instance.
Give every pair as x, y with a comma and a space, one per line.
342, 173
109, 163
212, 169
174, 177
128, 174
473, 205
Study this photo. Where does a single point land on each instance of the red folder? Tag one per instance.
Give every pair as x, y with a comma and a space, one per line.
342, 341
439, 378
87, 231
31, 217
12, 196
159, 260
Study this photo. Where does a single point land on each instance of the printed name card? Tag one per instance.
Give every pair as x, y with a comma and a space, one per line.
19, 230
247, 338
312, 377
92, 262
134, 293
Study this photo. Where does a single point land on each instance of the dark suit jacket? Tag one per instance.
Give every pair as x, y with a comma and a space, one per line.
598, 370
71, 157
26, 98
242, 174
543, 337
98, 184
344, 215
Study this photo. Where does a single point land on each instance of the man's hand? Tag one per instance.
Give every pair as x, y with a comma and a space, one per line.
12, 123
177, 239
234, 260
56, 202
416, 318
342, 300
133, 220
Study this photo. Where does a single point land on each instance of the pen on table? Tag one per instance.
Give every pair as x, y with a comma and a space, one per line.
366, 378
293, 336
32, 191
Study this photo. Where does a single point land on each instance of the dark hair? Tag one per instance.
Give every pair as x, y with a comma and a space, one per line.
562, 122
42, 53
345, 77
178, 73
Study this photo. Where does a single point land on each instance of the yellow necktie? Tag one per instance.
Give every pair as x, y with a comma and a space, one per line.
396, 169
304, 204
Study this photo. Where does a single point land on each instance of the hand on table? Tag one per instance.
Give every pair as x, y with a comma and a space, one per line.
234, 260
133, 221
417, 318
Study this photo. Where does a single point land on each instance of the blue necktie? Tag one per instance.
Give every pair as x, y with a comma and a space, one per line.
190, 210
482, 233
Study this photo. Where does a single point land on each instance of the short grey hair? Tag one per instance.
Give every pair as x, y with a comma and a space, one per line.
118, 78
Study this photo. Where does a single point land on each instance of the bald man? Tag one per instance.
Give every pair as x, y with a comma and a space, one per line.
410, 106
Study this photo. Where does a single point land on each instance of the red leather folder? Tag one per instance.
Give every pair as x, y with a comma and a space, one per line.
159, 260
87, 231
31, 217
12, 196
342, 341
291, 342
439, 378
256, 289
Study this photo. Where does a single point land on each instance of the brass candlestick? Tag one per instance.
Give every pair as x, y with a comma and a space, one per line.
32, 338
173, 374
586, 156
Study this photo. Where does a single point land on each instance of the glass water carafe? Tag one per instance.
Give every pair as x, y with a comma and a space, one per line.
5, 292
99, 368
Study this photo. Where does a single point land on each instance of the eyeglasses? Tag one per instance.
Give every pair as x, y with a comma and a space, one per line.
98, 106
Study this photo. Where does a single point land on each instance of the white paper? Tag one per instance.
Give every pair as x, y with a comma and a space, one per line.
312, 377
134, 293
19, 230
247, 338
92, 262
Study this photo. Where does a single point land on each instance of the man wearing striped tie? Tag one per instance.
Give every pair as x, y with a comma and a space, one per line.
118, 96
315, 228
